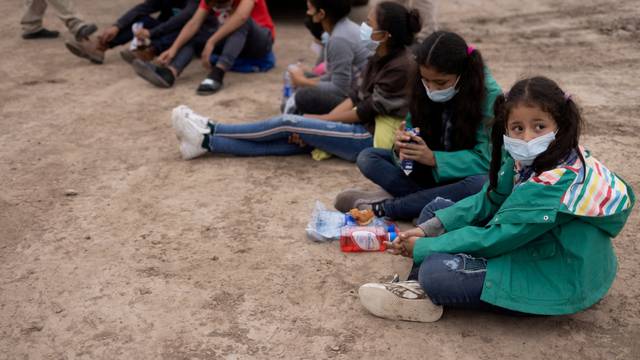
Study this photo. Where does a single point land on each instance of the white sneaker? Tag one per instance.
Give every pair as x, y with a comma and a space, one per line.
191, 137
184, 112
404, 300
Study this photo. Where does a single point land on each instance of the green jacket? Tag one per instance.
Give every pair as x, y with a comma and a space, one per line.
548, 242
460, 164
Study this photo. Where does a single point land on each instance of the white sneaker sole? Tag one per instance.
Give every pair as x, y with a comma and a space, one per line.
383, 303
189, 151
177, 115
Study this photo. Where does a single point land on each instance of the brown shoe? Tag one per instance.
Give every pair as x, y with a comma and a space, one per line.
145, 54
87, 49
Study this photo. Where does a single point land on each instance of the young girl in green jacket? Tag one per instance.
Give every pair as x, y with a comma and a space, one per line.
535, 240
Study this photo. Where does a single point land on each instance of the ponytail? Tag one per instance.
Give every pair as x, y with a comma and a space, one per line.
400, 23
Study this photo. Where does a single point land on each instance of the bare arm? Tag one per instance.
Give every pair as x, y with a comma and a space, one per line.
344, 113
190, 29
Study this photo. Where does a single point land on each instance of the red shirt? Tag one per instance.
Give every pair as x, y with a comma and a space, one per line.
259, 14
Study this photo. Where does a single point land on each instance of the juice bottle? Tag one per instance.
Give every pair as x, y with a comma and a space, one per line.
366, 238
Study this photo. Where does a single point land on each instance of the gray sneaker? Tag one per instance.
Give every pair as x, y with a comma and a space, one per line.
359, 199
403, 300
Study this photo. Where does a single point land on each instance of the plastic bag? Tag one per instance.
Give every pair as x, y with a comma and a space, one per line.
325, 225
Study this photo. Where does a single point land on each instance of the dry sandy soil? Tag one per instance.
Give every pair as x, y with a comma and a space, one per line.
158, 258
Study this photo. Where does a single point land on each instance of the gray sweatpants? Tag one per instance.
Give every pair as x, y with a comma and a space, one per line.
35, 9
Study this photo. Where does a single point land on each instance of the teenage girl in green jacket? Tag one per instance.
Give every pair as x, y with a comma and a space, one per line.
452, 102
536, 239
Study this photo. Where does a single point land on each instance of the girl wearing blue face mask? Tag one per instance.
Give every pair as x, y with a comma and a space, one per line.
536, 239
366, 118
451, 105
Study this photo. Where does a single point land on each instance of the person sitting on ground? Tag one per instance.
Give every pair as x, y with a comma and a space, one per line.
452, 105
244, 29
348, 129
345, 56
159, 32
535, 240
32, 20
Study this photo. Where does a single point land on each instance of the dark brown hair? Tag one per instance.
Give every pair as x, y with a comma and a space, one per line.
544, 93
401, 23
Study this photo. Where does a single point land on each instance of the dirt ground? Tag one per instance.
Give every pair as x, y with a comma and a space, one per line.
158, 258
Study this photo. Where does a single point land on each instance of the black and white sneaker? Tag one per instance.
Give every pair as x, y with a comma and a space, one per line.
402, 300
213, 83
159, 76
209, 87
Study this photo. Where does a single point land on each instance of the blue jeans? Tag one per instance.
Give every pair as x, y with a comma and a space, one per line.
452, 280
429, 211
271, 137
160, 44
409, 198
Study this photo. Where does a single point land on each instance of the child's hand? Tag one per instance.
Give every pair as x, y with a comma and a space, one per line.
166, 57
417, 150
108, 34
295, 139
403, 244
411, 233
297, 74
143, 34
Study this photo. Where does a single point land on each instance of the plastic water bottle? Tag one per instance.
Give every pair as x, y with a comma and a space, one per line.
366, 238
287, 90
407, 165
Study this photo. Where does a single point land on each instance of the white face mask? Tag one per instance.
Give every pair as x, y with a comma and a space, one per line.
527, 152
441, 96
365, 35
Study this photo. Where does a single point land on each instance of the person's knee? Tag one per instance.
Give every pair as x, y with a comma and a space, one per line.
475, 182
367, 160
433, 273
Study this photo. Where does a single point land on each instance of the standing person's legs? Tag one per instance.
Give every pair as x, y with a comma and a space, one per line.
79, 28
317, 100
32, 19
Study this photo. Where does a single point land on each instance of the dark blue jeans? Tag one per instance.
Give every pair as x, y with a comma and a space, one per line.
160, 43
250, 41
452, 280
410, 198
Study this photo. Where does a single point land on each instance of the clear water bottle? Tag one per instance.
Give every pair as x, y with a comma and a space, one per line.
407, 165
287, 90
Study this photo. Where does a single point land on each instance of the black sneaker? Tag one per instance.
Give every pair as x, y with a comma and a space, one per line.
41, 34
85, 31
159, 76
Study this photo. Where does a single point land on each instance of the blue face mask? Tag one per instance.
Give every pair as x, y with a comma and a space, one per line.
366, 32
441, 96
527, 152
